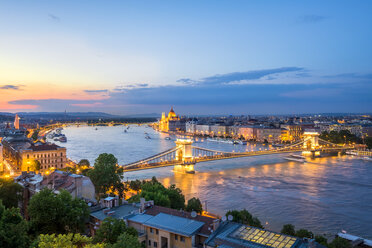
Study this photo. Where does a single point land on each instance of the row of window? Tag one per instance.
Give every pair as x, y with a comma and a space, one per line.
44, 155
49, 166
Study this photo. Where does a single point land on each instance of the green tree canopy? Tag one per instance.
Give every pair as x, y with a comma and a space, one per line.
321, 240
35, 165
194, 204
106, 175
170, 197
10, 192
13, 228
50, 213
127, 240
303, 233
110, 230
71, 240
288, 229
340, 243
244, 217
84, 162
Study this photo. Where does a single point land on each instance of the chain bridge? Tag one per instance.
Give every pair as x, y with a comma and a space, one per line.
187, 155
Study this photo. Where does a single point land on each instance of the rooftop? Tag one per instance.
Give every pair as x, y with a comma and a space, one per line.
174, 224
234, 235
208, 221
121, 212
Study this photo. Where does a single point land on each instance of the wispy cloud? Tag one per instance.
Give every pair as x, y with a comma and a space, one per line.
96, 91
311, 18
246, 76
54, 17
10, 87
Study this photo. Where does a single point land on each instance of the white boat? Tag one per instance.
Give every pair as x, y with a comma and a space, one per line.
296, 158
367, 158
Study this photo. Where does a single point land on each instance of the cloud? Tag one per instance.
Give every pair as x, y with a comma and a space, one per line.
217, 94
246, 76
311, 18
54, 17
10, 87
96, 91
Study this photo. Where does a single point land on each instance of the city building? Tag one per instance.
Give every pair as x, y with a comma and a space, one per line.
165, 227
16, 121
20, 153
171, 122
235, 235
77, 185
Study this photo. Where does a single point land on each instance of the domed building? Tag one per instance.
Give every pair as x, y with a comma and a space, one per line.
171, 122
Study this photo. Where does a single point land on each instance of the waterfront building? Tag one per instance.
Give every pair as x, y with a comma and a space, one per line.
269, 135
218, 131
20, 153
291, 132
202, 129
355, 129
248, 133
171, 122
235, 235
191, 127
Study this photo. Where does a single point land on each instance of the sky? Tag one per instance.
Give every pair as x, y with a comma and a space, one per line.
201, 57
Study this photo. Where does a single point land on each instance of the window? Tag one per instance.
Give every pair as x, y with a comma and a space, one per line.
149, 242
151, 231
182, 238
28, 156
157, 231
176, 237
155, 244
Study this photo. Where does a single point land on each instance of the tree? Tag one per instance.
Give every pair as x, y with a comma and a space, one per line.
244, 217
321, 240
106, 174
176, 197
170, 197
135, 185
110, 230
340, 243
288, 229
368, 141
70, 240
35, 165
127, 240
84, 162
35, 135
50, 213
13, 228
194, 204
303, 233
10, 192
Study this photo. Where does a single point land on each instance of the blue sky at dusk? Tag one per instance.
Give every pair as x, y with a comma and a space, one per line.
202, 57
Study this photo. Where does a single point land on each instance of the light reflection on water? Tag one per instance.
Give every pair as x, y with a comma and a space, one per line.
324, 195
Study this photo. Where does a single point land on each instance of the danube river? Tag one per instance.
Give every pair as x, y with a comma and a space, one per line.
324, 195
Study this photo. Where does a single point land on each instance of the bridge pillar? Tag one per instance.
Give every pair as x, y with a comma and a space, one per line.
184, 153
311, 142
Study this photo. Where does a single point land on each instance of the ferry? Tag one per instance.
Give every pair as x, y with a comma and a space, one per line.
296, 158
220, 140
168, 138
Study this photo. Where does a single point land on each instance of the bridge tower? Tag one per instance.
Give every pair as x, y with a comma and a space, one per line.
311, 142
184, 153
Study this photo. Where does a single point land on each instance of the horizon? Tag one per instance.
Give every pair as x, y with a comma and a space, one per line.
216, 58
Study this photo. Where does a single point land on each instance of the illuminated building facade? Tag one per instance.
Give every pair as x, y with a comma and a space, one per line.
171, 122
21, 152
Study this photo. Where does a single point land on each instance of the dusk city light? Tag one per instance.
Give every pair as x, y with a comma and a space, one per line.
185, 124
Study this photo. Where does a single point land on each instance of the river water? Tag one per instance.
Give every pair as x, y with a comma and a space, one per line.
324, 195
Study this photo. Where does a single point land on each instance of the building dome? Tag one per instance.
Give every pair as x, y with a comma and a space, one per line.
171, 113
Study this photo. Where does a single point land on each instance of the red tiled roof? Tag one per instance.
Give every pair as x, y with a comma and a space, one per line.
155, 210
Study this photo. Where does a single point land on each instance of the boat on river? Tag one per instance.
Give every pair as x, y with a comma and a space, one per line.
296, 158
